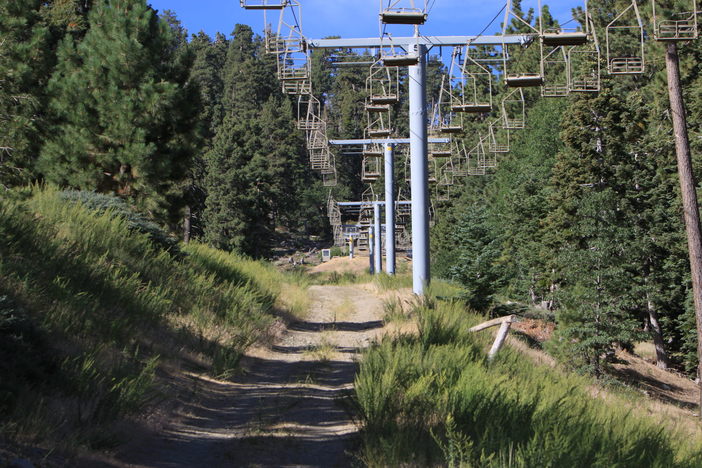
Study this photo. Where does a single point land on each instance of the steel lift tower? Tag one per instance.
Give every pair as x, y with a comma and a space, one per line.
418, 46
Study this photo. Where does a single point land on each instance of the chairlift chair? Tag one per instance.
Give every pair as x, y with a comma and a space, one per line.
444, 120
440, 150
297, 88
329, 178
402, 12
433, 169
383, 85
555, 72
518, 79
513, 110
583, 62
442, 193
476, 163
475, 93
374, 150
371, 168
675, 25
498, 137
402, 209
264, 4
559, 36
378, 125
396, 56
625, 42
489, 159
309, 112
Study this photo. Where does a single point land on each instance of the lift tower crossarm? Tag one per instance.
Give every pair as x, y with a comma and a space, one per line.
428, 41
385, 141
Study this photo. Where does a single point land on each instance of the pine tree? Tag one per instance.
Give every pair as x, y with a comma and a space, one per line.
24, 58
124, 109
256, 152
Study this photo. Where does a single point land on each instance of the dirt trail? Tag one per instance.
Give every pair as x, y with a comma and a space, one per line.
291, 408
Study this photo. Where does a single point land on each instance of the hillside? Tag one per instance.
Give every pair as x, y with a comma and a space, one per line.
99, 314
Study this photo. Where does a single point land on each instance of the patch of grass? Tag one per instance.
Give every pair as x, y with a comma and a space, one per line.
344, 310
91, 305
325, 350
433, 399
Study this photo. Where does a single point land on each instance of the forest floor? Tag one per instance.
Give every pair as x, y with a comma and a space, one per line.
291, 406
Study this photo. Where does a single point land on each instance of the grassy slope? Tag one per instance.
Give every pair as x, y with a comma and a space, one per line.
434, 399
90, 311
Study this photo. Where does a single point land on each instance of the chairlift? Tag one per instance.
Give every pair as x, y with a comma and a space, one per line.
433, 169
396, 56
403, 209
263, 4
378, 125
560, 36
402, 12
440, 150
555, 72
297, 88
474, 95
475, 160
371, 168
583, 63
329, 178
675, 25
320, 159
625, 42
442, 193
383, 85
374, 150
518, 79
309, 112
443, 119
489, 159
513, 110
446, 172
498, 137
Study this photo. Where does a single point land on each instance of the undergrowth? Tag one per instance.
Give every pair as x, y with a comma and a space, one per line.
93, 301
433, 399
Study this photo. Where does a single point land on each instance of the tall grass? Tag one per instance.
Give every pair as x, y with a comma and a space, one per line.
103, 304
434, 399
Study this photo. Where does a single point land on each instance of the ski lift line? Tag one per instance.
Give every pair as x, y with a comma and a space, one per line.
491, 22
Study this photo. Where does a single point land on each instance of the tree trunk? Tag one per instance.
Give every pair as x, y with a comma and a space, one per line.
187, 224
689, 194
662, 360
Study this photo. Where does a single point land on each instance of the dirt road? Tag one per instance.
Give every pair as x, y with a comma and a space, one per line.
291, 407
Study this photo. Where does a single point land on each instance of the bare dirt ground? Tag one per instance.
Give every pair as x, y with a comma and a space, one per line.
291, 406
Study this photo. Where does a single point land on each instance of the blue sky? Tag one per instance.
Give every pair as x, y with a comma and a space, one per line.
350, 18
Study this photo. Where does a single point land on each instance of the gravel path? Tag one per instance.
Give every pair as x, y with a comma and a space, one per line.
291, 408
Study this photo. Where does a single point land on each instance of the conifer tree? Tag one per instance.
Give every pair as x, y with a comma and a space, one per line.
124, 109
24, 42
